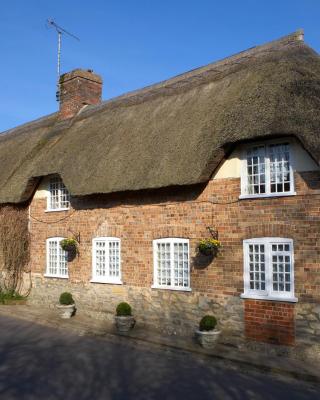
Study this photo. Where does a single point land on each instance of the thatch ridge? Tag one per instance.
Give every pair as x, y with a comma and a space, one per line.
172, 133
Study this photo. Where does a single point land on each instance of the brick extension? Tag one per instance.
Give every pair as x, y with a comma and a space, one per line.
269, 321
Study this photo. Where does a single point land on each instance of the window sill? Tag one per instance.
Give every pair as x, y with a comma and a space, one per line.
106, 281
56, 210
263, 196
56, 276
178, 289
270, 298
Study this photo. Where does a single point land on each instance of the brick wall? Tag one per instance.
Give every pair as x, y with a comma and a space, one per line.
269, 321
139, 218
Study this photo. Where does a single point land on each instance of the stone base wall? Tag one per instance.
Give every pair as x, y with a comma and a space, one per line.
168, 312
307, 317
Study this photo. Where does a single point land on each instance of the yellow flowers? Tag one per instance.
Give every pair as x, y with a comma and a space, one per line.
210, 242
209, 246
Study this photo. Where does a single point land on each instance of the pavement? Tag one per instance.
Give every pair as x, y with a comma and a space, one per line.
40, 362
83, 325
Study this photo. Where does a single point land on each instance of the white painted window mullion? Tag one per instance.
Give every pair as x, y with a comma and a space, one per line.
172, 264
269, 266
267, 170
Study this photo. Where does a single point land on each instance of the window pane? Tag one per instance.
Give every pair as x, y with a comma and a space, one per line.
57, 259
172, 264
281, 271
54, 193
279, 168
163, 264
63, 257
53, 257
258, 278
114, 259
256, 170
107, 259
59, 195
181, 265
100, 258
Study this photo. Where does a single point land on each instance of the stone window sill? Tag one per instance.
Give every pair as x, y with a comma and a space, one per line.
106, 282
178, 289
56, 276
265, 195
270, 298
56, 210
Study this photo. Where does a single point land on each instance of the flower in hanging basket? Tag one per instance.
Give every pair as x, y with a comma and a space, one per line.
69, 244
209, 247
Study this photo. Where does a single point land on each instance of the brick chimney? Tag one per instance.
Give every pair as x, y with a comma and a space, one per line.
78, 88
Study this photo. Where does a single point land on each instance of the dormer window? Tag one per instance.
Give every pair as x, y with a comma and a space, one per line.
267, 171
58, 196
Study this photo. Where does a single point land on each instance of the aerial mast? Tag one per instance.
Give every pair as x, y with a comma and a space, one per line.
60, 31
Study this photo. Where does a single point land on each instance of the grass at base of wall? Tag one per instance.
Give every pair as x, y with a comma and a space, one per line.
11, 297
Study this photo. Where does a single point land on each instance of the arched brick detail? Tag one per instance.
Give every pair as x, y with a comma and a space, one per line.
106, 229
172, 231
269, 230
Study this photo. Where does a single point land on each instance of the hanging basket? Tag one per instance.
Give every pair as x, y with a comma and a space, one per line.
209, 247
69, 245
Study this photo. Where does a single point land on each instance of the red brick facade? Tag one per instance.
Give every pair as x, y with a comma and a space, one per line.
139, 218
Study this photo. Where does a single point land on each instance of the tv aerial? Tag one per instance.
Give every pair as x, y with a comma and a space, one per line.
60, 31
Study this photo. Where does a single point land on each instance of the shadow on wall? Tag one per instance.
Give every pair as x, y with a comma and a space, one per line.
38, 362
141, 197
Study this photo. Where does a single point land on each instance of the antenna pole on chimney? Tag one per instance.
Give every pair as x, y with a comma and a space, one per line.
59, 55
60, 31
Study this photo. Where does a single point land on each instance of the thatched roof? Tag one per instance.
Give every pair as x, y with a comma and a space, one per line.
172, 133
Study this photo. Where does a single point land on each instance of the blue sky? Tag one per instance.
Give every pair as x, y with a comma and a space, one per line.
130, 43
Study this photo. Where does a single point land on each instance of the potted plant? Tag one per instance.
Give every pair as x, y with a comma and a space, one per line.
124, 319
207, 334
66, 305
70, 245
209, 247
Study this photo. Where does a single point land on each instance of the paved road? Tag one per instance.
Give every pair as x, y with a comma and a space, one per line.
37, 362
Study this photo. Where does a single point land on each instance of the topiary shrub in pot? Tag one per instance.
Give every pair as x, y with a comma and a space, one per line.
124, 319
66, 305
207, 334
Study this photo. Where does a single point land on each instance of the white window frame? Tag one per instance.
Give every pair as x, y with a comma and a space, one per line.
244, 171
59, 252
268, 293
171, 241
107, 279
60, 194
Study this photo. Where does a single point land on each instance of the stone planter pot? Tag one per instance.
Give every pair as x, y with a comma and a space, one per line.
66, 311
124, 323
208, 339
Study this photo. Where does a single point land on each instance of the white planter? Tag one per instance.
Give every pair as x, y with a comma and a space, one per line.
66, 311
124, 323
208, 339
